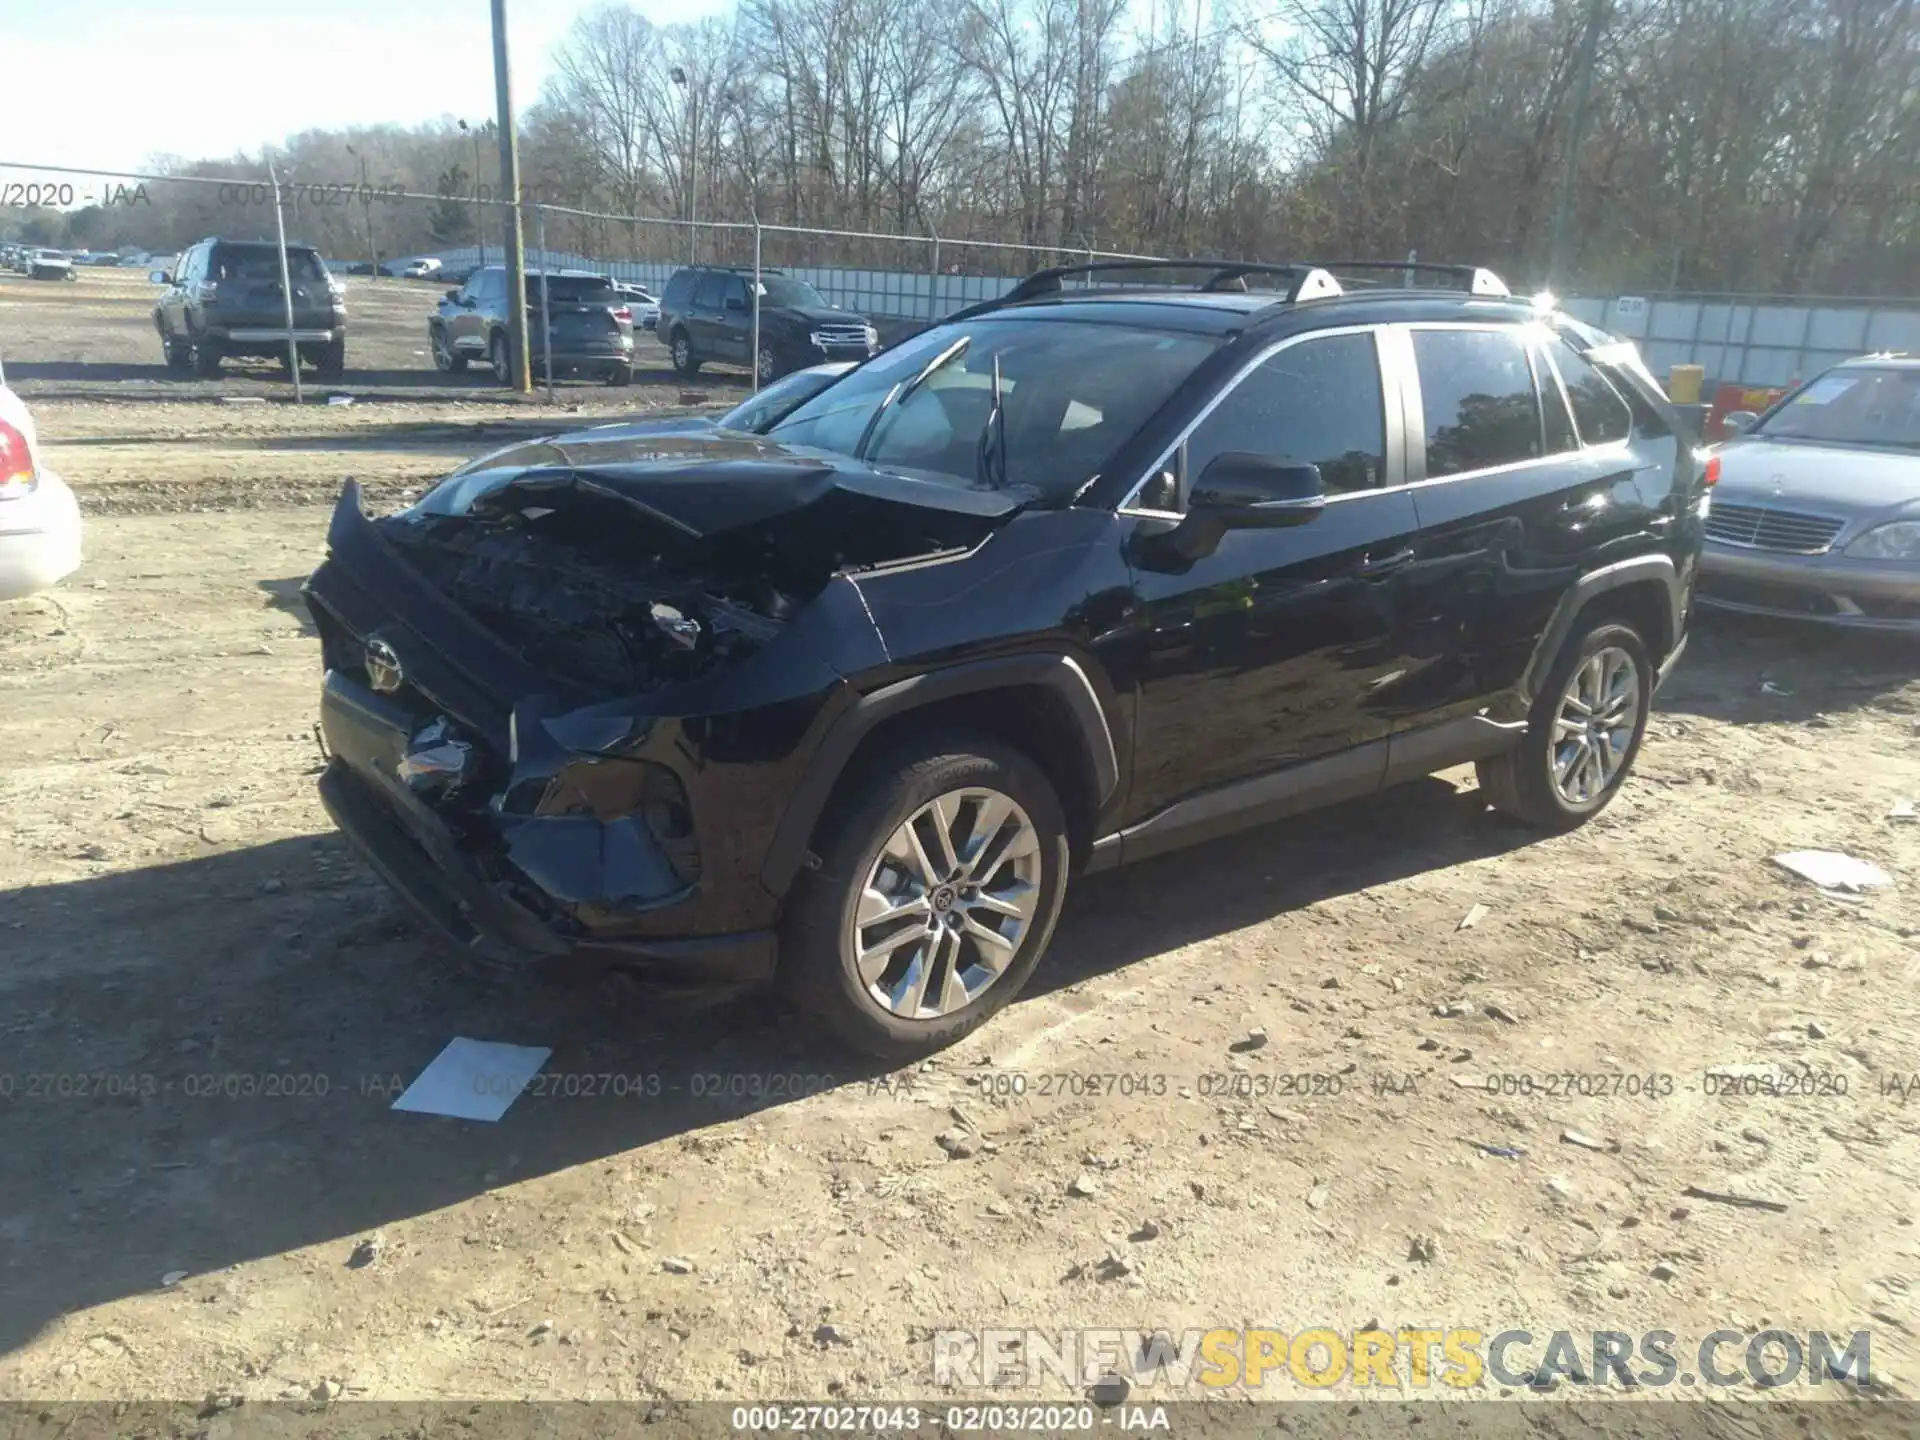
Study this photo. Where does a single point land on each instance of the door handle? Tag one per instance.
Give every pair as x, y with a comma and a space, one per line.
1384, 565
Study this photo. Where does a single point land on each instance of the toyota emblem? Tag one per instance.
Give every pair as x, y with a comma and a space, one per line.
383, 668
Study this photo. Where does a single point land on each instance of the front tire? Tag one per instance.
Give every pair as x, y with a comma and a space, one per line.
684, 359
332, 363
206, 358
501, 358
179, 355
444, 358
768, 365
936, 896
1583, 734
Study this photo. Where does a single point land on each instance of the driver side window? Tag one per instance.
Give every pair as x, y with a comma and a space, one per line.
1317, 402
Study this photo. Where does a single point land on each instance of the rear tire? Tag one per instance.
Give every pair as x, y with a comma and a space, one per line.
620, 375
207, 354
1540, 782
962, 981
684, 359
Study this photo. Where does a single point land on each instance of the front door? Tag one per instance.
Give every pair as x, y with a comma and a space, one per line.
1271, 651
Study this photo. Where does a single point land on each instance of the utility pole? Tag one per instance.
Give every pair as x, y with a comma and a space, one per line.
479, 207
680, 77
510, 183
366, 204
1576, 133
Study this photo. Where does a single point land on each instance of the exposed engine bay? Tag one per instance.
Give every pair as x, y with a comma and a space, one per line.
593, 585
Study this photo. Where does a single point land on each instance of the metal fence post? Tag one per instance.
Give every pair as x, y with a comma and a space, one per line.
756, 303
286, 286
546, 319
933, 283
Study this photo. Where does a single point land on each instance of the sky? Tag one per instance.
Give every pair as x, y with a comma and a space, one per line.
105, 84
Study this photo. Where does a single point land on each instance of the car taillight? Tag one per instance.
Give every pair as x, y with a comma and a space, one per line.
623, 313
1710, 475
16, 463
209, 290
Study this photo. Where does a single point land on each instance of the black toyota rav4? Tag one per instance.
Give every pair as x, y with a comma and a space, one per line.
1071, 579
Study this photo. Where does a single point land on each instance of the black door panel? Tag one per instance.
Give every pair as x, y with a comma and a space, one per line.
1275, 649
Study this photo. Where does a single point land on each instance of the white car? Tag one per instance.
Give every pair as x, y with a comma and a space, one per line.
39, 521
420, 269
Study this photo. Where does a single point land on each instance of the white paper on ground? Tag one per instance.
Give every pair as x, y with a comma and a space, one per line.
1831, 870
474, 1079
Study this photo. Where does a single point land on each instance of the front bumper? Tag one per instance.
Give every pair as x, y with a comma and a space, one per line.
39, 538
1828, 589
456, 891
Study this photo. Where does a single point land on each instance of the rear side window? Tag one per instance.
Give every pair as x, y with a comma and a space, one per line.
712, 286
1597, 407
1317, 402
1476, 387
679, 289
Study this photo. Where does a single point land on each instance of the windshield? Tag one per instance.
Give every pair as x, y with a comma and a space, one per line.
780, 290
1071, 393
778, 400
1857, 405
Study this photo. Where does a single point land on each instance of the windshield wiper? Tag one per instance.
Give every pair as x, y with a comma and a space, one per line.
993, 437
900, 392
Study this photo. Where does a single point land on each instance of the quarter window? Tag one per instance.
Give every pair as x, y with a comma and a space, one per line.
1597, 407
1476, 387
1318, 402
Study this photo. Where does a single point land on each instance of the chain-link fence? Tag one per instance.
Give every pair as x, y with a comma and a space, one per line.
367, 229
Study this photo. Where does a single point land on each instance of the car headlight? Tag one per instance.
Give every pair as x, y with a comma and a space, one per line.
1899, 540
873, 338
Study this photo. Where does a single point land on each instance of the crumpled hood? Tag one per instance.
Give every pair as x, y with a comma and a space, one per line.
699, 483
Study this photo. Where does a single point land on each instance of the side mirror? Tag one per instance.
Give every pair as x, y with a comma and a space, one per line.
1239, 491
1737, 422
159, 277
454, 293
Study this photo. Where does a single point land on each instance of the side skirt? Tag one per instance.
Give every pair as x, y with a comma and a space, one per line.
1306, 786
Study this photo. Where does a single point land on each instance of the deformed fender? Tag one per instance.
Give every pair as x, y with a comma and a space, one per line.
1622, 573
1059, 673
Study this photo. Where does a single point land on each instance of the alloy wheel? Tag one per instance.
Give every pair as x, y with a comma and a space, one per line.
1594, 726
769, 364
946, 904
682, 352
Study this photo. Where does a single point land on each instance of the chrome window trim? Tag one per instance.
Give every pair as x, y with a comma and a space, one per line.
1153, 471
1393, 346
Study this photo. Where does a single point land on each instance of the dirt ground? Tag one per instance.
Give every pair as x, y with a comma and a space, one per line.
207, 1006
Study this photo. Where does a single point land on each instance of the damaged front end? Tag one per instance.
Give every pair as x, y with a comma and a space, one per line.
565, 701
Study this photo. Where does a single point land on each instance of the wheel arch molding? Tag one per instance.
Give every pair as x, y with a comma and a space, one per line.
1653, 580
1060, 676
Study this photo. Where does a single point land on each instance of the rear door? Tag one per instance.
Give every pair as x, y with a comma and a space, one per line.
1275, 649
1513, 504
703, 313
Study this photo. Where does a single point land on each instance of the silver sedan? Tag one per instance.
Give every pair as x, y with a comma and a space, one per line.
1817, 512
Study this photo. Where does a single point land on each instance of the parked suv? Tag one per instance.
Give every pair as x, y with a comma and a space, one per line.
707, 314
1067, 581
591, 321
224, 298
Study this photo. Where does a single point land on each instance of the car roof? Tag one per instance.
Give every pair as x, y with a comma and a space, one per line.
1888, 360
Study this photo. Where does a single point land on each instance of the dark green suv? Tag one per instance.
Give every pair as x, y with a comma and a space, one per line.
707, 314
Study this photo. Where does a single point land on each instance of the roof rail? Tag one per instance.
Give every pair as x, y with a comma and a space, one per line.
1305, 282
1477, 281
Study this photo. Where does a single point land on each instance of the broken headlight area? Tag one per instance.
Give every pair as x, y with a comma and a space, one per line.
438, 763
